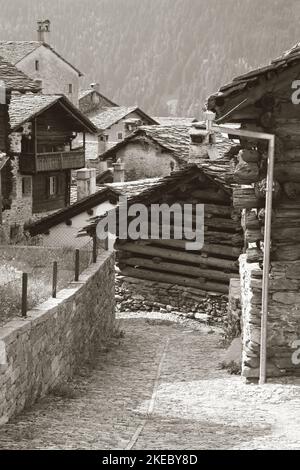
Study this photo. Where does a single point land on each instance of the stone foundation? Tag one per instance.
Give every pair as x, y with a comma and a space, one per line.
137, 295
283, 319
44, 349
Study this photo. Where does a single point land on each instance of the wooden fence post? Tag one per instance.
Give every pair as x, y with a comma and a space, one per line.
54, 280
76, 265
24, 294
95, 248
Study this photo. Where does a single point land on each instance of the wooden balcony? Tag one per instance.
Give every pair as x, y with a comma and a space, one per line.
52, 161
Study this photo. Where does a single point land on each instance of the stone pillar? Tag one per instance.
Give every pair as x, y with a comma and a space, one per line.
86, 182
119, 172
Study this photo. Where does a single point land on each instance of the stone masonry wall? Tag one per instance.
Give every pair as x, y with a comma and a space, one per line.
55, 73
144, 160
140, 295
44, 349
20, 210
283, 318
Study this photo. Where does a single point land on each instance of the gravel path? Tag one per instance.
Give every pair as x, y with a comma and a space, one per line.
159, 387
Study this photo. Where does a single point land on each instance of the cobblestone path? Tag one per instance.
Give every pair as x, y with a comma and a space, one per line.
160, 387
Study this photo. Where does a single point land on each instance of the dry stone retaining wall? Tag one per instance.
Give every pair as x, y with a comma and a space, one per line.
39, 352
283, 320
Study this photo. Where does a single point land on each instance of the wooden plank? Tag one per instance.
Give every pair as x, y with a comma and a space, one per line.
190, 271
175, 279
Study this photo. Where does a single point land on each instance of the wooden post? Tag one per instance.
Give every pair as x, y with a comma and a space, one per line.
0, 197
106, 243
54, 280
76, 265
35, 145
24, 294
94, 248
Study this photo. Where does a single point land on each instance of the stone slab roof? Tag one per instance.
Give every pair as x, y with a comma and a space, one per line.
23, 108
106, 117
15, 51
15, 79
133, 188
174, 139
251, 79
88, 91
175, 121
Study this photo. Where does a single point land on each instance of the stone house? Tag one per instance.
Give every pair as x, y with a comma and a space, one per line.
266, 100
153, 151
41, 62
61, 229
114, 124
42, 156
10, 79
91, 100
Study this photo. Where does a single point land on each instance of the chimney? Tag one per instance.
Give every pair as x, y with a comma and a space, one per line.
203, 140
86, 182
39, 83
119, 172
131, 125
102, 166
95, 87
43, 31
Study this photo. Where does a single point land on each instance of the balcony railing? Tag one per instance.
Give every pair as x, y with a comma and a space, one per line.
52, 161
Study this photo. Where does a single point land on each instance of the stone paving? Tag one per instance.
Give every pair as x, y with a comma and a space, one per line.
160, 387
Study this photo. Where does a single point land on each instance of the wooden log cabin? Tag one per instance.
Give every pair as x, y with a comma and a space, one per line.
42, 129
167, 265
266, 100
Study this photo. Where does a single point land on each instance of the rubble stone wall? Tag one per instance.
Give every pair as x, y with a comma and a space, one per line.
139, 295
143, 160
44, 349
283, 345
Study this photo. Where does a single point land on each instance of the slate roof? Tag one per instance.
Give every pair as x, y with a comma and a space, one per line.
83, 93
23, 108
102, 195
106, 117
15, 51
15, 79
175, 121
251, 79
150, 190
133, 188
174, 139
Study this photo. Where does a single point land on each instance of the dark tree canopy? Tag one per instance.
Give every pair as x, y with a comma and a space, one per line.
165, 55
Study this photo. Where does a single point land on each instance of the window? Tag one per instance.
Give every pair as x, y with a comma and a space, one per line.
120, 136
26, 186
37, 65
104, 138
52, 185
70, 88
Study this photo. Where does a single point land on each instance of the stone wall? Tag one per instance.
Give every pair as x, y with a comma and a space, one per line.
41, 351
20, 210
140, 295
283, 318
55, 73
234, 319
145, 160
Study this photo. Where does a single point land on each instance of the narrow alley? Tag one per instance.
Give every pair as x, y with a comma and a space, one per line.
140, 393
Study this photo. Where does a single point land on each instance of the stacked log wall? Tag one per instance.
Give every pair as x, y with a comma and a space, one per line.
169, 262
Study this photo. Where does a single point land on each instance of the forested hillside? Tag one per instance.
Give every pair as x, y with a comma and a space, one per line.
165, 55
